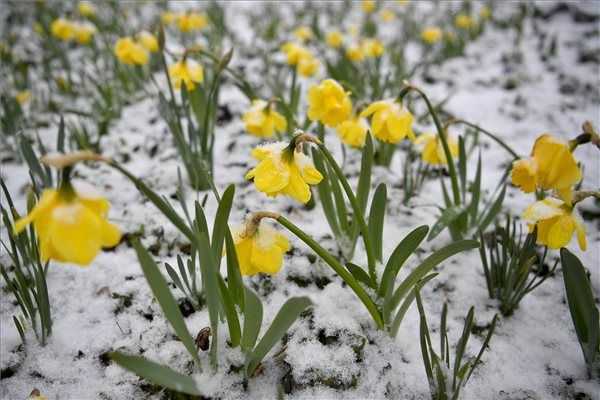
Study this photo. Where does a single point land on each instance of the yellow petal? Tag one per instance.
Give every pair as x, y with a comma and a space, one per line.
111, 235
524, 174
560, 232
271, 176
46, 202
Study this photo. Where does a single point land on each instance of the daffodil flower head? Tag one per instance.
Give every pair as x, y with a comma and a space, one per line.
355, 53
168, 17
334, 39
329, 103
308, 65
263, 120
432, 150
372, 48
463, 21
259, 249
71, 224
282, 170
390, 121
83, 32
524, 174
353, 131
299, 56
130, 52
368, 6
556, 223
191, 21
86, 8
187, 72
149, 41
303, 33
62, 29
431, 35
387, 15
23, 97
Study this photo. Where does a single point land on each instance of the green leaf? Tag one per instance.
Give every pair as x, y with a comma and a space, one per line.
233, 322
493, 211
376, 216
462, 164
200, 220
340, 202
360, 274
448, 216
253, 315
234, 277
287, 315
221, 218
407, 303
156, 373
476, 191
364, 179
174, 277
19, 328
325, 193
405, 249
165, 299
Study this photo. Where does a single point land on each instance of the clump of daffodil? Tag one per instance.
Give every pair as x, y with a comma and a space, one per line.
263, 120
23, 97
71, 222
432, 150
149, 41
334, 39
191, 21
387, 15
463, 21
372, 48
62, 29
368, 6
259, 247
303, 33
130, 52
551, 166
304, 60
83, 32
186, 72
390, 121
284, 170
86, 9
431, 35
329, 103
556, 222
355, 53
353, 131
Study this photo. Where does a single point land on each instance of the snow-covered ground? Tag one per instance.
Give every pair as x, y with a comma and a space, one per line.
534, 354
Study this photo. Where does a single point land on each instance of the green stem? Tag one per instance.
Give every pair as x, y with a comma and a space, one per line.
487, 133
293, 90
358, 214
338, 268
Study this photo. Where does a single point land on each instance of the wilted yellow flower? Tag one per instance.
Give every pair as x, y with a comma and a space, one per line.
191, 21
130, 52
261, 250
188, 72
283, 171
353, 131
391, 122
149, 41
86, 8
463, 21
432, 150
431, 34
368, 6
355, 53
372, 48
23, 97
334, 39
556, 222
62, 29
551, 167
71, 225
328, 103
168, 17
303, 33
83, 32
485, 13
263, 120
387, 15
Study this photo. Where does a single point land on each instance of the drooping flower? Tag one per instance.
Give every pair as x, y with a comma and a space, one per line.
71, 224
368, 6
432, 150
308, 65
303, 33
353, 131
372, 48
86, 8
355, 53
130, 52
334, 39
431, 35
263, 120
283, 171
463, 21
304, 60
328, 103
149, 41
556, 222
83, 32
187, 72
387, 15
191, 21
390, 121
62, 29
261, 250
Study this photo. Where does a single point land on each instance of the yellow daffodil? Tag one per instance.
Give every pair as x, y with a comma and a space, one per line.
149, 41
130, 52
308, 65
391, 122
372, 48
168, 17
463, 21
303, 33
283, 171
62, 29
187, 72
71, 225
368, 6
485, 13
83, 32
23, 97
431, 35
353, 131
86, 8
355, 53
432, 150
556, 222
387, 15
191, 21
550, 167
261, 250
334, 39
263, 120
328, 103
